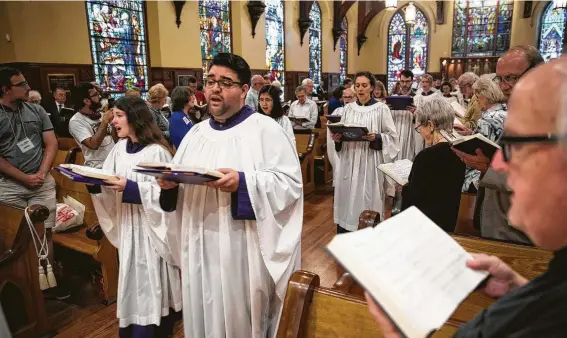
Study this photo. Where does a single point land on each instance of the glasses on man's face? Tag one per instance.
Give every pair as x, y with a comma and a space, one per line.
508, 79
223, 83
22, 84
508, 142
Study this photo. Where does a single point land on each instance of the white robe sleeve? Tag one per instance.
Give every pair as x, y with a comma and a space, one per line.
390, 146
276, 193
163, 228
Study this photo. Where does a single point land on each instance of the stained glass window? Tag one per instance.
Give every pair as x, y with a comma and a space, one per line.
275, 62
315, 45
214, 19
403, 55
552, 32
117, 35
343, 46
482, 27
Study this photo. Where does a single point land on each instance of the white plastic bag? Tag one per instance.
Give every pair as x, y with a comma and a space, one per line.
69, 214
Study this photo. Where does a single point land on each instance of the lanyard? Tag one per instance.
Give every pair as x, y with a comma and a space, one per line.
10, 122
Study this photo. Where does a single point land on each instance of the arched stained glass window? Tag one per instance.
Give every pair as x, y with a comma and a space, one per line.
117, 33
403, 55
315, 45
482, 27
214, 19
275, 62
343, 46
552, 32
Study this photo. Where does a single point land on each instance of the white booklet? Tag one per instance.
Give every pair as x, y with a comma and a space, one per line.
90, 172
459, 110
412, 268
399, 171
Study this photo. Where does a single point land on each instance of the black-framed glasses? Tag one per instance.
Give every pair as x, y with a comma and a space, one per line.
223, 83
506, 142
509, 79
22, 84
418, 128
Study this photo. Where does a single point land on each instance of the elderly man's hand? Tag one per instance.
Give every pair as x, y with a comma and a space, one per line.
478, 161
502, 278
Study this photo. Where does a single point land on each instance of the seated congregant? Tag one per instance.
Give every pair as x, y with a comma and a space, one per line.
437, 174
157, 98
270, 105
256, 84
89, 127
380, 92
469, 101
303, 107
181, 121
34, 97
336, 100
133, 92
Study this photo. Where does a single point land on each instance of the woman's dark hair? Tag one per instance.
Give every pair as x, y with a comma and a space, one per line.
447, 83
338, 93
234, 62
180, 96
274, 92
367, 75
142, 121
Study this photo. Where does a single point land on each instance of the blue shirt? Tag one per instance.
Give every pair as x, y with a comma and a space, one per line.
179, 125
333, 104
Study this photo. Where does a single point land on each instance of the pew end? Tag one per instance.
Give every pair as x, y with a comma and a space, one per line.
305, 143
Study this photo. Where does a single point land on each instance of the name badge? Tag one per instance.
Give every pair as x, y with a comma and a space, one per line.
25, 145
186, 120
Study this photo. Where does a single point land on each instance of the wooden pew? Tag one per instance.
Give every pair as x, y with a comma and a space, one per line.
66, 143
89, 238
305, 142
530, 262
465, 216
313, 311
321, 158
20, 295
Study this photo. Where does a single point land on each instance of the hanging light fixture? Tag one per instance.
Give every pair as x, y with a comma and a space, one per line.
411, 13
391, 4
560, 4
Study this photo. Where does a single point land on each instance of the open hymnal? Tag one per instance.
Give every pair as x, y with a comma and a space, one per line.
81, 173
178, 173
350, 132
470, 143
459, 110
399, 171
412, 268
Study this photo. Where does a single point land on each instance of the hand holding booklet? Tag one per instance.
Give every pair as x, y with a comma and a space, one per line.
412, 268
469, 144
178, 173
399, 171
350, 132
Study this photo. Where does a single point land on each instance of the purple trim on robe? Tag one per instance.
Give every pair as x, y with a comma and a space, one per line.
131, 193
369, 103
132, 148
165, 329
241, 207
376, 144
244, 113
168, 199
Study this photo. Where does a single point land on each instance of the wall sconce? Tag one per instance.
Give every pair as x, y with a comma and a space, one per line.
391, 4
411, 13
444, 63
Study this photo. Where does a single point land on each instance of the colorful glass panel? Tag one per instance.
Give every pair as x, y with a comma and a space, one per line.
552, 32
214, 20
343, 47
118, 44
397, 35
460, 18
418, 44
315, 45
275, 62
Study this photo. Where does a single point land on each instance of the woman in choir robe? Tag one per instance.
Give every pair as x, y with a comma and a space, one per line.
437, 174
149, 284
269, 104
360, 185
447, 93
348, 97
427, 91
494, 112
380, 92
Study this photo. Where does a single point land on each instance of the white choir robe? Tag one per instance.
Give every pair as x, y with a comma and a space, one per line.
360, 185
149, 281
409, 140
331, 152
235, 272
287, 126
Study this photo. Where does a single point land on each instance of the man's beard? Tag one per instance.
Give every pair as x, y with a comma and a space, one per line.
95, 106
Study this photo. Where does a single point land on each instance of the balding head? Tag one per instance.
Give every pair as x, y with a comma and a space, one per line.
537, 172
516, 62
257, 82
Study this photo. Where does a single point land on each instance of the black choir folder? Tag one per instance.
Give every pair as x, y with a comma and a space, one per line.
413, 269
399, 102
350, 132
178, 173
469, 144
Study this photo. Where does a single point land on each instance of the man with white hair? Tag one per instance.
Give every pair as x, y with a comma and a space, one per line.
303, 108
308, 85
534, 157
468, 100
34, 97
257, 83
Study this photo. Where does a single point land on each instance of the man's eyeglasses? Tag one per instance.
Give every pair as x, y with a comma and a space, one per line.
507, 142
223, 83
22, 84
508, 79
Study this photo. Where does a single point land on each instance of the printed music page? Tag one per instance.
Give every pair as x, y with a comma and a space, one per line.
414, 270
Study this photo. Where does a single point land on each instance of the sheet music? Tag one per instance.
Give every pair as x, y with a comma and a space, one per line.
415, 270
399, 170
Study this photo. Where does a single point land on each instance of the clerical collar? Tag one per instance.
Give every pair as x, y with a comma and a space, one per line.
244, 113
369, 103
132, 148
431, 92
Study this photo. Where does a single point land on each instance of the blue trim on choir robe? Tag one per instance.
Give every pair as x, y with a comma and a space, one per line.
165, 329
131, 193
132, 148
244, 113
241, 206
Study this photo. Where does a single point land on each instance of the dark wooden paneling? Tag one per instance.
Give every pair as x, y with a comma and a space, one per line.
329, 87
292, 80
454, 67
168, 76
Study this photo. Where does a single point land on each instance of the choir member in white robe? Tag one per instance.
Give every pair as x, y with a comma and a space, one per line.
348, 96
426, 92
241, 235
269, 104
128, 210
360, 184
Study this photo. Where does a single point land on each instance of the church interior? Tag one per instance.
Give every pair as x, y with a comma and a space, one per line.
125, 45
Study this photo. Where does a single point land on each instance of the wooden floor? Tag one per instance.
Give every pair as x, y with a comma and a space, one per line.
97, 320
